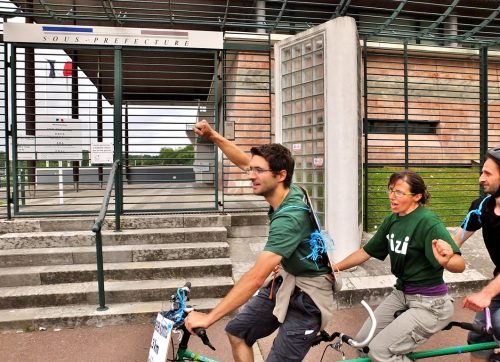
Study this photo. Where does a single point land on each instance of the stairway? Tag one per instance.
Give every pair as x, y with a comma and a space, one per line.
48, 269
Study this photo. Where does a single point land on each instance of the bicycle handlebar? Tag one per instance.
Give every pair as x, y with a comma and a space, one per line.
202, 333
325, 337
487, 329
373, 326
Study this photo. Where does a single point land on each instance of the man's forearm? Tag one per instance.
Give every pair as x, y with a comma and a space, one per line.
233, 152
242, 291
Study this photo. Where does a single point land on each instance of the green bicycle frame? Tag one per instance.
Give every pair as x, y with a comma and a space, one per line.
183, 354
441, 351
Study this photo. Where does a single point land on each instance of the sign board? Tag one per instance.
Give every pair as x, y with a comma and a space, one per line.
161, 338
58, 138
26, 149
201, 166
229, 130
101, 152
112, 36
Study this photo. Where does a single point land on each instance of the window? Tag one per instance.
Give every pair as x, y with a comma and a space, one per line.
397, 126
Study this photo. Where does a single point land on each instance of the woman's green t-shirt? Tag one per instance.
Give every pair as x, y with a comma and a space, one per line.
408, 242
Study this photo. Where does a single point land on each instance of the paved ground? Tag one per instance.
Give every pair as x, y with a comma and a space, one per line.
131, 343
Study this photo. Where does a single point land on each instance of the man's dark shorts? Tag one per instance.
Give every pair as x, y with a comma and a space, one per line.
295, 335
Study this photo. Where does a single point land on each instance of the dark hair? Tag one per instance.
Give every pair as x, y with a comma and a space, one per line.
494, 155
279, 158
417, 184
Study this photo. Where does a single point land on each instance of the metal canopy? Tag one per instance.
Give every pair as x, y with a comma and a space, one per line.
472, 23
462, 23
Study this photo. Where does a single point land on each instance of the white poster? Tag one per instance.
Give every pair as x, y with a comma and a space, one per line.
101, 152
161, 338
58, 138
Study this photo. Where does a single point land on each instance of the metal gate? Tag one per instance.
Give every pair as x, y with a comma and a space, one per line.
68, 102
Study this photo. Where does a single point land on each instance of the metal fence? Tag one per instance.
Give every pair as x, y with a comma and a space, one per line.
4, 148
434, 112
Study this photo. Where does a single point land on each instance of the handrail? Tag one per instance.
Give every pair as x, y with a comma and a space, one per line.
107, 195
96, 228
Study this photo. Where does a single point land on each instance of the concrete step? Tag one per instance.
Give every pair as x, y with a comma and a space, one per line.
126, 222
126, 237
78, 315
374, 288
115, 292
113, 254
77, 273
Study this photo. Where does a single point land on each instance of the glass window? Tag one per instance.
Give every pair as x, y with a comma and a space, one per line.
296, 51
286, 54
303, 114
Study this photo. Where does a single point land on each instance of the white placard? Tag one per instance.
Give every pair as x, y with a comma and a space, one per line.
318, 162
25, 148
161, 338
101, 152
111, 36
201, 166
58, 138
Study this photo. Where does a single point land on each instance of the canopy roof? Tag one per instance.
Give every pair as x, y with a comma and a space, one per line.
472, 23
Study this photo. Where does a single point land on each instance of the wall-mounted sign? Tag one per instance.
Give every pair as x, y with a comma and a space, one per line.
101, 35
101, 152
201, 166
318, 162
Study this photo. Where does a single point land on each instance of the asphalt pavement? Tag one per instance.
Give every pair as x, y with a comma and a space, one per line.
130, 343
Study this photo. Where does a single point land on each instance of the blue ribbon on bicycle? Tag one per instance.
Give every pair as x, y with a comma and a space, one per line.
177, 315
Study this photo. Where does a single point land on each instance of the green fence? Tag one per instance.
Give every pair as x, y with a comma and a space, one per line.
434, 112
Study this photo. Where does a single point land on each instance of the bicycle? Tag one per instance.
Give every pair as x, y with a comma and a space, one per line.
486, 329
172, 321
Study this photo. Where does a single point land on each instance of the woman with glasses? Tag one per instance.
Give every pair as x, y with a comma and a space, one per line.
419, 248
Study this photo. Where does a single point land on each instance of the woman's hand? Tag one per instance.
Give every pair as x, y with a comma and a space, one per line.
446, 257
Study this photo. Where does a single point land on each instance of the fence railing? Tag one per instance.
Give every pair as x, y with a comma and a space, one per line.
97, 227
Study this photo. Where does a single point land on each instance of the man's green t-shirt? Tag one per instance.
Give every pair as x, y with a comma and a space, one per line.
408, 242
289, 233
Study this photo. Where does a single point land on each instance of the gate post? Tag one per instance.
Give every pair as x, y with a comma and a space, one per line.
117, 135
483, 104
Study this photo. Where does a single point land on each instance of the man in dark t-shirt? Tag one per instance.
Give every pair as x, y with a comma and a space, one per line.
484, 213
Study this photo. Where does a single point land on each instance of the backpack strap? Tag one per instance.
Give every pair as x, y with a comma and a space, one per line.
477, 212
291, 207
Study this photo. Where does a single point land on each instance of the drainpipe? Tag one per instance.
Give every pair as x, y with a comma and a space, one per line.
451, 31
260, 15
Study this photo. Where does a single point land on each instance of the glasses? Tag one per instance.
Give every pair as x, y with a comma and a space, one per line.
256, 170
398, 193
